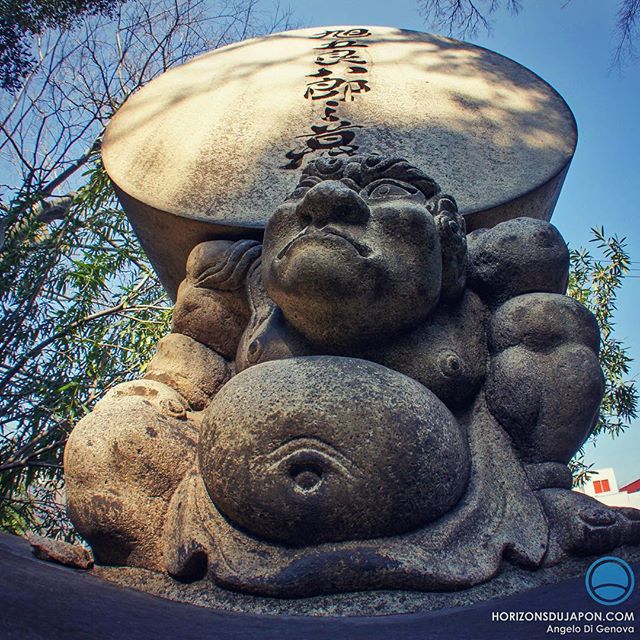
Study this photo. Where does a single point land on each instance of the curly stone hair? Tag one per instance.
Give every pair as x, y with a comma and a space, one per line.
362, 170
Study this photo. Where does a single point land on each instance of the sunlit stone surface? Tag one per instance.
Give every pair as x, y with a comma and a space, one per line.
219, 139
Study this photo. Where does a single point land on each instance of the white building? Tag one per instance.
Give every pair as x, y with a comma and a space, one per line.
603, 486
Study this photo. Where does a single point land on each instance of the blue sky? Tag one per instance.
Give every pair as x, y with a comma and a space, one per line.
570, 45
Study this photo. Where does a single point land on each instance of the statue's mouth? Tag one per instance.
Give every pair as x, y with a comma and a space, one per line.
327, 233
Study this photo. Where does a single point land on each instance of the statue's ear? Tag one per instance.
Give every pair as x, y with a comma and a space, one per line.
453, 242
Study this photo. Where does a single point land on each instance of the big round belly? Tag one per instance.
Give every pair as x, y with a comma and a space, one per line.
319, 449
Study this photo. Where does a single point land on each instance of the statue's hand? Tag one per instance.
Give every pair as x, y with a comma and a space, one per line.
187, 366
212, 306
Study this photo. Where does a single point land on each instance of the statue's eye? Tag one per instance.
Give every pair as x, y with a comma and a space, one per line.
299, 192
303, 186
390, 189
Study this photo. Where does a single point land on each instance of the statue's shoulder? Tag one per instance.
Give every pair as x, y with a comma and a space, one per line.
523, 255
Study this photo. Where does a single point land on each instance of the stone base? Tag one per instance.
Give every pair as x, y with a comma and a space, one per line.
509, 582
41, 600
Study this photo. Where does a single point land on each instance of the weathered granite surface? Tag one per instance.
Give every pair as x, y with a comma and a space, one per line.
510, 581
70, 555
370, 400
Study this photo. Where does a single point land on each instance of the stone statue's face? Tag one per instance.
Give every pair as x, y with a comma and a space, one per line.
348, 263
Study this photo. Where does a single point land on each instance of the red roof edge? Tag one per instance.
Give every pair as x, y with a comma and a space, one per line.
632, 487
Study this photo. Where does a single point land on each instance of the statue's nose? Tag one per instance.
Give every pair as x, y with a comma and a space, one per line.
332, 201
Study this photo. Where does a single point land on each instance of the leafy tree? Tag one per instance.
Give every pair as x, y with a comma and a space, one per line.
21, 20
80, 307
82, 310
595, 282
465, 17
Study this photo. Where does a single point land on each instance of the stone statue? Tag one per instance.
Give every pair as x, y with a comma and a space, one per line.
370, 399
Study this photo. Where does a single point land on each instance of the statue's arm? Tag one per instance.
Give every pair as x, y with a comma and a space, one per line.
211, 313
544, 384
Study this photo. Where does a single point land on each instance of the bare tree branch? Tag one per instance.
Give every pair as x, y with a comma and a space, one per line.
628, 27
464, 18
